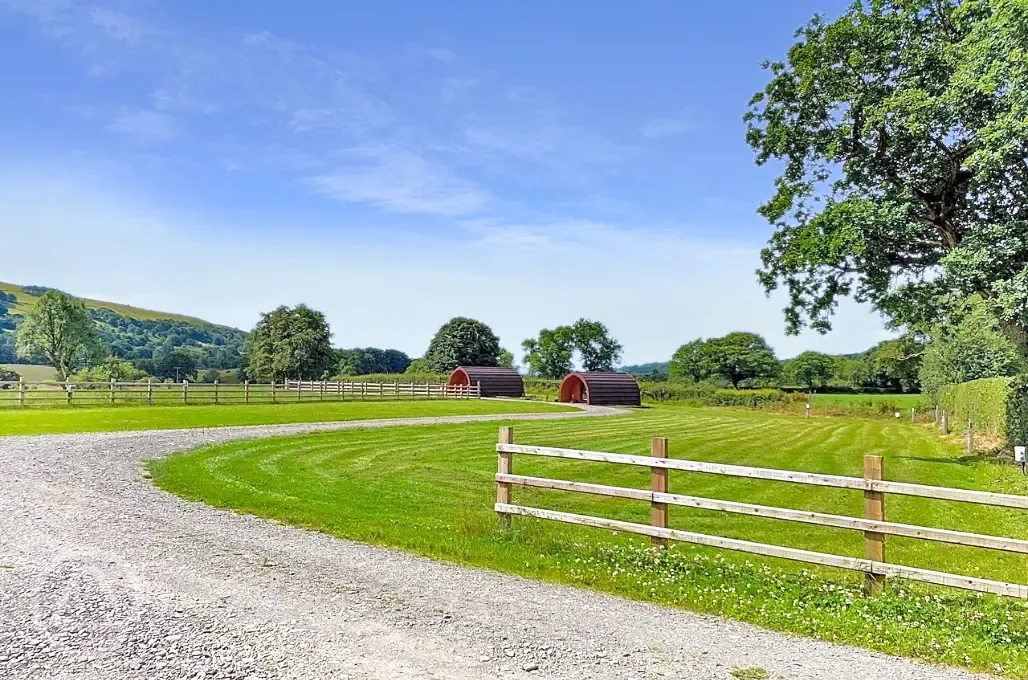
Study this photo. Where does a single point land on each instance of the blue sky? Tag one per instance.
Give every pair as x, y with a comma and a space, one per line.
398, 163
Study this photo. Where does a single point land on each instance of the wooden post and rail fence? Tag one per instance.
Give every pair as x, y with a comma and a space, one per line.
873, 524
25, 393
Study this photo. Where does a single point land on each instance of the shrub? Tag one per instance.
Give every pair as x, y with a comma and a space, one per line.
111, 368
708, 394
974, 348
210, 375
982, 402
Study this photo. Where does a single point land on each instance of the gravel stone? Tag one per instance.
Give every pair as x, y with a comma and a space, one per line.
108, 578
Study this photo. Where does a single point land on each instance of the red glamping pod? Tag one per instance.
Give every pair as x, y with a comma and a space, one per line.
495, 381
600, 389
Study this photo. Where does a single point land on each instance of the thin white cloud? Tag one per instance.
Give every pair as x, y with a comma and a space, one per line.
399, 180
441, 54
317, 103
658, 128
118, 25
653, 287
148, 125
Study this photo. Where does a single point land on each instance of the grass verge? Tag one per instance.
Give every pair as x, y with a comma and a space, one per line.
59, 420
430, 490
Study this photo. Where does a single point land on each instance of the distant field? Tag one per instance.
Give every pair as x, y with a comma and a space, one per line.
57, 420
32, 372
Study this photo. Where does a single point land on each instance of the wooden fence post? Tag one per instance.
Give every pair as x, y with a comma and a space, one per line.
913, 415
658, 484
945, 422
112, 390
970, 437
299, 388
479, 389
274, 400
322, 390
216, 400
21, 391
505, 466
874, 509
185, 391
71, 388
396, 389
246, 391
149, 391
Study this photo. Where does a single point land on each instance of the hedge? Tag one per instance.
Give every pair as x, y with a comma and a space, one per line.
981, 402
1017, 411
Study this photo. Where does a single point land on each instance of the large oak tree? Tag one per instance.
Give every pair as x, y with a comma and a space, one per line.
462, 342
60, 328
289, 343
901, 130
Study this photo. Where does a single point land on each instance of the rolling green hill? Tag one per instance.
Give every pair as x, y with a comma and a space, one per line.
131, 333
29, 295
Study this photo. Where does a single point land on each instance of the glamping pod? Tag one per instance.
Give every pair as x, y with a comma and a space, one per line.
495, 382
600, 389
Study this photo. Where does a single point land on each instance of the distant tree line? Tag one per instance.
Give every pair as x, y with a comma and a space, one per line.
295, 343
368, 360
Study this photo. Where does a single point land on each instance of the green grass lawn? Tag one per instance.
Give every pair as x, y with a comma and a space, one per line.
430, 490
60, 420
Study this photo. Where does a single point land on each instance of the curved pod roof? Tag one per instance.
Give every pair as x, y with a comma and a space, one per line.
600, 389
495, 381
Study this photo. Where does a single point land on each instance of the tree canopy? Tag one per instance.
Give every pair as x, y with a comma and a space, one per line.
597, 349
289, 342
902, 129
58, 327
891, 366
812, 370
552, 354
742, 357
364, 361
736, 358
176, 364
689, 362
462, 342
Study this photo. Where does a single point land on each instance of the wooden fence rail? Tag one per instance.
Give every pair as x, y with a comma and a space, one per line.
873, 525
25, 393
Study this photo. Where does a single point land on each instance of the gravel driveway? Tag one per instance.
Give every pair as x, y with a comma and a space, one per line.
104, 576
